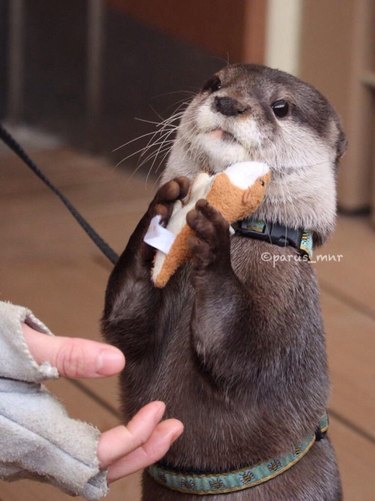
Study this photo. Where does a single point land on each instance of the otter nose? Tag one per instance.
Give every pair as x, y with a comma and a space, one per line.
228, 106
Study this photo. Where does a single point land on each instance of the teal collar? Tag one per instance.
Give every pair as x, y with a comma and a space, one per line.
237, 480
277, 234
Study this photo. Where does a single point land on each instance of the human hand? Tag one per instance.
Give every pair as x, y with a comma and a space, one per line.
145, 440
124, 449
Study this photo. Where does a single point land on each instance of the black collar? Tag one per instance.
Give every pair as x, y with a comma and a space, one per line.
276, 234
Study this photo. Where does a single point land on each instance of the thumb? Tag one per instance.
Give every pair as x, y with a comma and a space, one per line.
74, 357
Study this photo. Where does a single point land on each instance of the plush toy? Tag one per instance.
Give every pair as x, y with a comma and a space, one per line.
235, 192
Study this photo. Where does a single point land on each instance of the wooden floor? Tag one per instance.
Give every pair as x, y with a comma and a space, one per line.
48, 264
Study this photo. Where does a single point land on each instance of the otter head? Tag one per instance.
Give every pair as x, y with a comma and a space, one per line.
251, 112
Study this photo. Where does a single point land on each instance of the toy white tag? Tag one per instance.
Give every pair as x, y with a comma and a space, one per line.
159, 237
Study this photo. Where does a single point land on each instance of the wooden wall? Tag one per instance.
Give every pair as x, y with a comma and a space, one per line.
337, 52
233, 29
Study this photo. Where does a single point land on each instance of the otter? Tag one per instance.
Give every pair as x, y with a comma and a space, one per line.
234, 344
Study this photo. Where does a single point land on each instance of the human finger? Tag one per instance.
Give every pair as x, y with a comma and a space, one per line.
74, 357
154, 449
115, 443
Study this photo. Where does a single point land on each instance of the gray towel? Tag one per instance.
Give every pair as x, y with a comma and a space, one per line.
37, 438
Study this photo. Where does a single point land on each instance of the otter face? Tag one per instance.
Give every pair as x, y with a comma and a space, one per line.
251, 112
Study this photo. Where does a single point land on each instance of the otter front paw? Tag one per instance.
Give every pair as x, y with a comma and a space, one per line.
166, 196
162, 205
210, 245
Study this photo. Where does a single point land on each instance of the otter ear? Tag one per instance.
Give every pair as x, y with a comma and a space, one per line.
341, 144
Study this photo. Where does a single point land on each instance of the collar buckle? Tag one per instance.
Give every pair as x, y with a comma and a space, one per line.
276, 234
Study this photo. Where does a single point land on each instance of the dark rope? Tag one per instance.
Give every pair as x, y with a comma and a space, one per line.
20, 152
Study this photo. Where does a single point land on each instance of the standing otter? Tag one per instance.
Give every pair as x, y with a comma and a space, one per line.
234, 344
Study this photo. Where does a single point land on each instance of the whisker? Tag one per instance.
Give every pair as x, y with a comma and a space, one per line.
166, 151
157, 181
139, 166
164, 133
135, 153
156, 113
154, 153
133, 140
152, 122
180, 103
159, 141
160, 147
175, 92
161, 161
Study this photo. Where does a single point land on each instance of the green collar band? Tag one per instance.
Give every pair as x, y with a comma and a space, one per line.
277, 234
237, 480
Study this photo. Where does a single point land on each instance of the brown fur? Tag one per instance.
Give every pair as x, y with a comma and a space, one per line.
233, 344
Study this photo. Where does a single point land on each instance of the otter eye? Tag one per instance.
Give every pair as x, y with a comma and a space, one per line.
213, 84
280, 108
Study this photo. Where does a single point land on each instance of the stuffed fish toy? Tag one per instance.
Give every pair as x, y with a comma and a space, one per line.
235, 192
